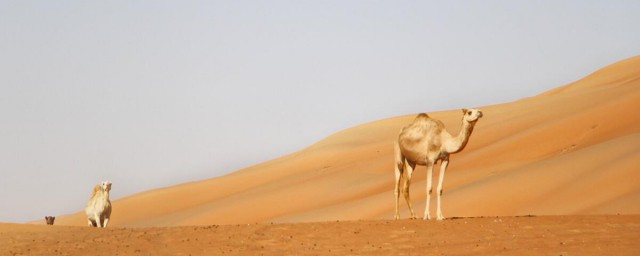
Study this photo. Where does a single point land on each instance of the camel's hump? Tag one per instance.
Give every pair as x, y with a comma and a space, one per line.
422, 116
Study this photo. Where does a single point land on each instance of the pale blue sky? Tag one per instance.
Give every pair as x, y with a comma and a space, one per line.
155, 93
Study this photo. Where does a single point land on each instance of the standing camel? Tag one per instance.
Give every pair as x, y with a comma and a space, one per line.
424, 142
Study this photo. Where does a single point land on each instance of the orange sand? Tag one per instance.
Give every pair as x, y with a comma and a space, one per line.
550, 235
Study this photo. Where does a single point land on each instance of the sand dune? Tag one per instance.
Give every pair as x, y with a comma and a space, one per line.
571, 150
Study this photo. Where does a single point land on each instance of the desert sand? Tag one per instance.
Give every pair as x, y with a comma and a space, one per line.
572, 151
559, 235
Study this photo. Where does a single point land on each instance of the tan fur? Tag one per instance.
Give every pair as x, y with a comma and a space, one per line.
97, 189
425, 141
98, 208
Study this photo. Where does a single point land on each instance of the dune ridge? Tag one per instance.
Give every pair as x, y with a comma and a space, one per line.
572, 150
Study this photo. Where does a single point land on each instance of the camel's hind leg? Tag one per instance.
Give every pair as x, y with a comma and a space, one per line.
399, 163
408, 172
398, 173
106, 220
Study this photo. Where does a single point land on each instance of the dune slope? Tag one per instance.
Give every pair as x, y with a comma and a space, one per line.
572, 150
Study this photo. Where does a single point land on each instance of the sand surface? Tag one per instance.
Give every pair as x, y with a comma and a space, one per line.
559, 235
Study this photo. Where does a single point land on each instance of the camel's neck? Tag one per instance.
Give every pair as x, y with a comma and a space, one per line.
459, 142
106, 195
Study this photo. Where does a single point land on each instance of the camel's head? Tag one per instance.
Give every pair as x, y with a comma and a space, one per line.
471, 115
106, 185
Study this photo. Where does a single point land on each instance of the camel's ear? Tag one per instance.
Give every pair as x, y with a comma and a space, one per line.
464, 111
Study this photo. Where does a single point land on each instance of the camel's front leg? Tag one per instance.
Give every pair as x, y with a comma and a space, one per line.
98, 220
443, 169
427, 215
106, 220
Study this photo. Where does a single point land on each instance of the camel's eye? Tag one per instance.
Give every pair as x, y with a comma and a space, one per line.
469, 113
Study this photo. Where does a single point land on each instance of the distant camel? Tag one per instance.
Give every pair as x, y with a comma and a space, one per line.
424, 142
98, 209
50, 219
